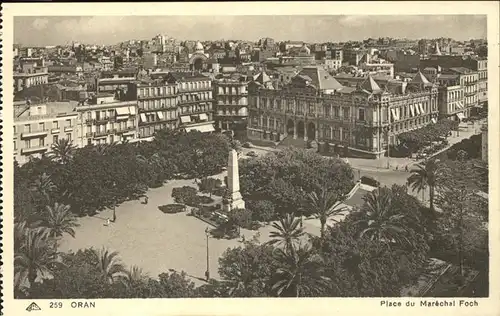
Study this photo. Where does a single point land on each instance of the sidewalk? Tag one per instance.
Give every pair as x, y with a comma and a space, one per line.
380, 165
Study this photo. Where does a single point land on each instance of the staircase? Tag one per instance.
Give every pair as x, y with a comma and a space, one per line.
289, 141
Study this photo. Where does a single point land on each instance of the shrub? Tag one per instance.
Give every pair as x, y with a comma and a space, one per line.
172, 208
209, 185
262, 210
242, 218
247, 145
184, 194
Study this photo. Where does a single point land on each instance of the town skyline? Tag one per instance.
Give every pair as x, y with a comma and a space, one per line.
51, 30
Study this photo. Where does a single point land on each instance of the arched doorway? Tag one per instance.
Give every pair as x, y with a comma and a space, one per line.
290, 127
300, 129
311, 131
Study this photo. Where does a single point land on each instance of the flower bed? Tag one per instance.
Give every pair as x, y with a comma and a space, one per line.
172, 208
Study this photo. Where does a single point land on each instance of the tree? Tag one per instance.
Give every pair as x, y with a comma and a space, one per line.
44, 185
209, 185
299, 273
246, 270
109, 265
58, 219
262, 210
324, 206
172, 285
425, 176
288, 232
62, 150
34, 256
458, 183
378, 221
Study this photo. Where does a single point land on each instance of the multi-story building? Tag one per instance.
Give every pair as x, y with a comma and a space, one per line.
108, 121
194, 100
481, 66
451, 102
38, 126
230, 104
315, 106
157, 105
466, 78
111, 81
30, 76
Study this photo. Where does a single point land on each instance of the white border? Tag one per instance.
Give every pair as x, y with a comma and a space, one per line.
317, 306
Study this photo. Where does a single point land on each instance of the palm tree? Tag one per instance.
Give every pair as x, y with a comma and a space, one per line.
110, 266
288, 231
133, 276
425, 176
62, 150
104, 149
58, 219
378, 222
34, 256
324, 206
300, 273
44, 185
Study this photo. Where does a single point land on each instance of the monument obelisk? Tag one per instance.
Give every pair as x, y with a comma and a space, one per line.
233, 181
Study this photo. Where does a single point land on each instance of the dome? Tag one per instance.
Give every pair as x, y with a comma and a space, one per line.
199, 46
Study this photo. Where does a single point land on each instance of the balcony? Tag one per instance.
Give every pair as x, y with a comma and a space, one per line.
470, 83
99, 121
103, 133
34, 149
183, 102
55, 131
34, 134
150, 97
166, 107
68, 129
125, 130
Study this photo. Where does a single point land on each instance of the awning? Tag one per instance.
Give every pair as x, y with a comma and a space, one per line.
460, 116
203, 117
434, 120
160, 115
201, 128
185, 119
417, 109
460, 104
131, 109
412, 109
398, 113
122, 111
143, 118
421, 108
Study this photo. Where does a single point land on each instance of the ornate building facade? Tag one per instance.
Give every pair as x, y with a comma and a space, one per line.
231, 104
316, 107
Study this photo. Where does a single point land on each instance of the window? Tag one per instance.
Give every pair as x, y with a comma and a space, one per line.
55, 138
15, 129
41, 141
361, 114
27, 143
15, 145
41, 126
69, 123
336, 111
55, 124
68, 136
346, 112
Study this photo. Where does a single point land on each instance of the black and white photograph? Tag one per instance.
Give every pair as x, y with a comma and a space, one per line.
251, 156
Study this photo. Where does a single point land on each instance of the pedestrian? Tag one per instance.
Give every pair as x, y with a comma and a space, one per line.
397, 167
107, 222
406, 168
146, 200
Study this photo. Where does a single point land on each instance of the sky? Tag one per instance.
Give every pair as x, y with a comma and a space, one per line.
59, 30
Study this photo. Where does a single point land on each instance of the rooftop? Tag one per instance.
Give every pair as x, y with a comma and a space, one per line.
320, 78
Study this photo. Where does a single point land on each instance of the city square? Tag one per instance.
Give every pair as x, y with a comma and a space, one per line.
149, 165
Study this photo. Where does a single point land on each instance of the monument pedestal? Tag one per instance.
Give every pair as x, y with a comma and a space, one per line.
235, 200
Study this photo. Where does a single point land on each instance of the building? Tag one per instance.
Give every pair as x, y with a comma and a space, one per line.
194, 100
230, 104
113, 81
316, 107
481, 66
29, 76
332, 64
484, 143
451, 102
107, 121
157, 106
38, 126
468, 79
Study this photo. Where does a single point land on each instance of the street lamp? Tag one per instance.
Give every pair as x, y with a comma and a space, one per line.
207, 273
114, 204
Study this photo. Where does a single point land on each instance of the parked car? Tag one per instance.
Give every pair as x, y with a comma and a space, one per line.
252, 154
369, 181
